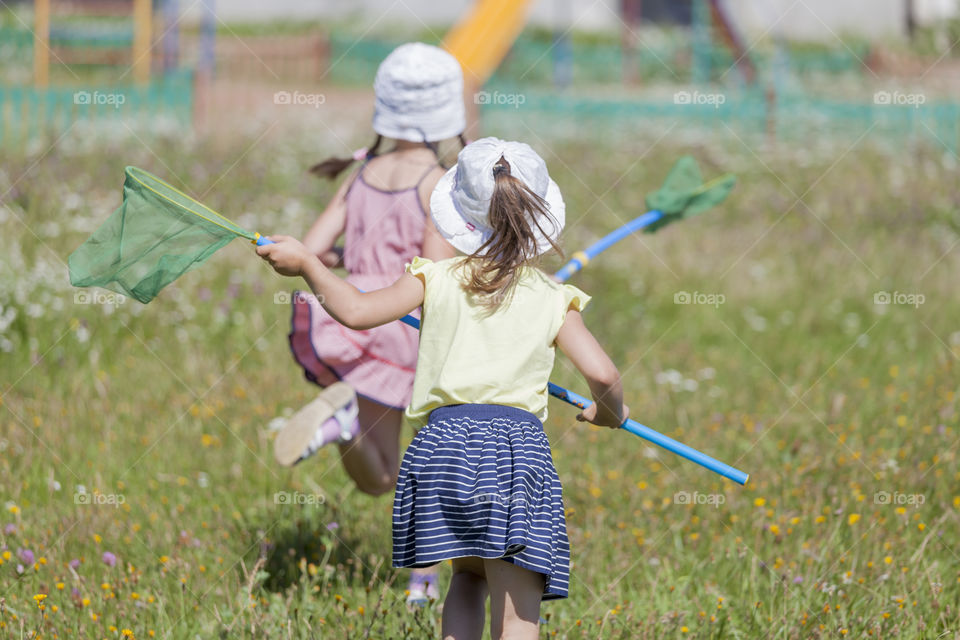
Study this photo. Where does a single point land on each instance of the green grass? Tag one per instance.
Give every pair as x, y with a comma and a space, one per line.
824, 397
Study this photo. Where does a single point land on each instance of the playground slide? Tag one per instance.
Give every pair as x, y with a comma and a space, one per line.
484, 36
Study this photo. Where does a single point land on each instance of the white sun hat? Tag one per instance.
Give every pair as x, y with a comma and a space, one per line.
460, 203
419, 94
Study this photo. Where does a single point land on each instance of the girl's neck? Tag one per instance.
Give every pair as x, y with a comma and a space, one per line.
406, 145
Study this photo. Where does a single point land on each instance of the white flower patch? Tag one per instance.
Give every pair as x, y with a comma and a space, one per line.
676, 380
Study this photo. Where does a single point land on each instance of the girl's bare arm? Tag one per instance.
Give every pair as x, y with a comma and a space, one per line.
434, 246
344, 302
586, 354
323, 234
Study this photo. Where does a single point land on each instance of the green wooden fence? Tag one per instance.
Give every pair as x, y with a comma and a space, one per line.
26, 112
531, 60
792, 118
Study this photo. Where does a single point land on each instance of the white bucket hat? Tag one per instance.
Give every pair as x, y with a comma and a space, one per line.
460, 203
419, 94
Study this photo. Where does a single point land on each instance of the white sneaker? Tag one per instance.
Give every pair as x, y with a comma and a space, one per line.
311, 427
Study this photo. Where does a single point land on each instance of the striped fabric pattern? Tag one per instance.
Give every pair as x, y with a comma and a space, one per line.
479, 480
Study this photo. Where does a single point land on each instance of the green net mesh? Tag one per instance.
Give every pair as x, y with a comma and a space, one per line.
684, 194
153, 238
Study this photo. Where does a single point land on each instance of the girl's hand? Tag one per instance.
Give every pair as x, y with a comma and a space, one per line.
287, 255
590, 415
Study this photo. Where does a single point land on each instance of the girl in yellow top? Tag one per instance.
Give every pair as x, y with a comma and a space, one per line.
477, 485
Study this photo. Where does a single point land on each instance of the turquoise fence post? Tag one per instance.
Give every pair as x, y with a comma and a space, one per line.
777, 83
562, 60
73, 109
177, 95
173, 90
33, 102
945, 126
170, 47
208, 34
165, 97
702, 46
16, 111
950, 118
914, 120
145, 100
82, 109
63, 110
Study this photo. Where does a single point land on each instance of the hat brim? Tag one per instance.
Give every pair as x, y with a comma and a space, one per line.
440, 122
467, 237
430, 128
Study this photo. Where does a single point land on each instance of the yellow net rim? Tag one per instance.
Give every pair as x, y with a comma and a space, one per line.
139, 175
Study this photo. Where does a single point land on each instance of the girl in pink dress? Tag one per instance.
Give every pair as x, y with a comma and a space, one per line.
382, 210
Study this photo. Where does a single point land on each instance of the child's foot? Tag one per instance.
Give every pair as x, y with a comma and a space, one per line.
422, 588
331, 417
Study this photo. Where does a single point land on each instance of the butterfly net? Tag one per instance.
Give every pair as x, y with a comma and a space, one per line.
153, 238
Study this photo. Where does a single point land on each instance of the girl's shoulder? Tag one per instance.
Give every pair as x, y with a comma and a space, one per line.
544, 289
445, 263
538, 277
572, 297
392, 173
424, 266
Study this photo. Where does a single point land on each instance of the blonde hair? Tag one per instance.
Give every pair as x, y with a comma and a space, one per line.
515, 215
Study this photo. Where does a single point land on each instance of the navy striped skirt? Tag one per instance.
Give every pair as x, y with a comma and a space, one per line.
479, 480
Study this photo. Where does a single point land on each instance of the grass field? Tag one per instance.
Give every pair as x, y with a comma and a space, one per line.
140, 496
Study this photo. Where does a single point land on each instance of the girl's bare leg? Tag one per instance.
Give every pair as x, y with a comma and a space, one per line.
372, 459
464, 609
515, 596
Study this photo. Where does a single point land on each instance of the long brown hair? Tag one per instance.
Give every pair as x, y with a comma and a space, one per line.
515, 216
334, 166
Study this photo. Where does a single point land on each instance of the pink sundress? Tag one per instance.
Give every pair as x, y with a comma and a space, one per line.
384, 231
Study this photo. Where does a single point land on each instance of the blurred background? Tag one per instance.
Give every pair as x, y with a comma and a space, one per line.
775, 68
805, 330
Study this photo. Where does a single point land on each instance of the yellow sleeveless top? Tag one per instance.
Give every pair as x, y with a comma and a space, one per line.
468, 355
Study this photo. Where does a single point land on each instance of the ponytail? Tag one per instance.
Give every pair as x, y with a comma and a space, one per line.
333, 166
515, 216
